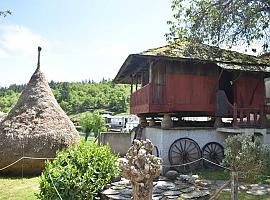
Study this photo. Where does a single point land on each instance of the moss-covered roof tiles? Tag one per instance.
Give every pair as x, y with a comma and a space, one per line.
193, 52
204, 53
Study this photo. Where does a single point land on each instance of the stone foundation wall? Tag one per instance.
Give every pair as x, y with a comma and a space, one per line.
119, 142
163, 138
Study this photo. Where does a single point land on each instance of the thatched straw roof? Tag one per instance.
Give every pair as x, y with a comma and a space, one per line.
36, 126
185, 51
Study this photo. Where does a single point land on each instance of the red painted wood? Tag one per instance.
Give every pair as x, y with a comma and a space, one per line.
244, 88
189, 93
187, 89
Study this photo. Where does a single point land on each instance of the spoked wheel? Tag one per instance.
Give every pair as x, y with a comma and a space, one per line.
184, 150
214, 152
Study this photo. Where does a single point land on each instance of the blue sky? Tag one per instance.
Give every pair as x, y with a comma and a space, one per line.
81, 39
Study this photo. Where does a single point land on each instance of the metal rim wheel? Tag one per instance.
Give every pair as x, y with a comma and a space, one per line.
214, 152
184, 150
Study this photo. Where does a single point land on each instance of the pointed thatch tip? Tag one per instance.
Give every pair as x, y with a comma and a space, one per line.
38, 64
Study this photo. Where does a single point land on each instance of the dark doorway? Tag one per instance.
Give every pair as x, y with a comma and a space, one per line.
226, 84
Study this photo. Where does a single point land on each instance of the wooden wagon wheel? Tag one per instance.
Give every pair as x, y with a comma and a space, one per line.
184, 150
214, 152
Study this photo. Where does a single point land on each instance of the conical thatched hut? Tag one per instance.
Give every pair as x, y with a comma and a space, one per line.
35, 127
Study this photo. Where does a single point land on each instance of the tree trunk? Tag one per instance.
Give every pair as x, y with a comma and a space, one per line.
234, 185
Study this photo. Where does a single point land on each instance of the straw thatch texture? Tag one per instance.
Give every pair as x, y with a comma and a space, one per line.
35, 127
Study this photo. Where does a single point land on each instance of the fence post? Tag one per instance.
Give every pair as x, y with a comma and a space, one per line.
234, 185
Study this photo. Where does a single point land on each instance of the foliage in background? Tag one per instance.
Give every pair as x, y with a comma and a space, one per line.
8, 99
233, 22
92, 122
4, 13
266, 161
78, 173
76, 98
244, 153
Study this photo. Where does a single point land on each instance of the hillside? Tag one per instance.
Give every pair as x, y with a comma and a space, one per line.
77, 97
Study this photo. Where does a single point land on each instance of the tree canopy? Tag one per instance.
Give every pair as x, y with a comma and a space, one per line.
78, 97
216, 22
92, 122
4, 13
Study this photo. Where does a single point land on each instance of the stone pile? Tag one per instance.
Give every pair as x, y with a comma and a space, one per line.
180, 188
163, 188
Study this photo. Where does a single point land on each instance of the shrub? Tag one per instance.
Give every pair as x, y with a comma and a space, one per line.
266, 160
78, 172
243, 153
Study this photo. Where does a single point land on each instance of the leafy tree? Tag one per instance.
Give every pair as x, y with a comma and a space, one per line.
8, 99
4, 13
92, 122
230, 22
245, 154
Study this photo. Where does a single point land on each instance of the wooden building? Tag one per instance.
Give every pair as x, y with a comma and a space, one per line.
193, 80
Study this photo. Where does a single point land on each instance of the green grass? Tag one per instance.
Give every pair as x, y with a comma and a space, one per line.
242, 196
213, 174
90, 139
219, 174
18, 188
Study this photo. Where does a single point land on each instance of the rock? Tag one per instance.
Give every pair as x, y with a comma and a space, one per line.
195, 176
116, 178
165, 185
118, 187
257, 192
118, 197
196, 195
110, 191
187, 178
242, 187
171, 174
188, 190
172, 193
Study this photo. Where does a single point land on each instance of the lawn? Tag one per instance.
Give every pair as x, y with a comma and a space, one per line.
242, 196
220, 174
18, 188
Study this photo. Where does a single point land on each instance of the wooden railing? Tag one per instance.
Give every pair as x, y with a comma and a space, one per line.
141, 96
248, 117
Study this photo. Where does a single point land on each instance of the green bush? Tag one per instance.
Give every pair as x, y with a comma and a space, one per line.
266, 160
243, 153
78, 172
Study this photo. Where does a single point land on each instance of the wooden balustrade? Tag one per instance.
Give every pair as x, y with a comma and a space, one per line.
247, 117
141, 96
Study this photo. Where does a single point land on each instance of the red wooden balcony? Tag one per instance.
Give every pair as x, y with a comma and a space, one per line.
150, 98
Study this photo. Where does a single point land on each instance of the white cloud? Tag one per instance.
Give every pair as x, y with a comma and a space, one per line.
20, 40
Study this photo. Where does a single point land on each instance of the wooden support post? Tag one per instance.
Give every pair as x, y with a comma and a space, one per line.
152, 122
166, 121
234, 185
131, 85
248, 117
136, 82
234, 115
241, 116
142, 79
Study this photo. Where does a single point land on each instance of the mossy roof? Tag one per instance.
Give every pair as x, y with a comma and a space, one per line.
194, 52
